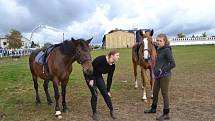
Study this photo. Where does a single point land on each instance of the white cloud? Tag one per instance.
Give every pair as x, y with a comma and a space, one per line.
13, 15
164, 16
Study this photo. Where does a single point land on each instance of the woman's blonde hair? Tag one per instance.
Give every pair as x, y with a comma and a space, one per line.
164, 36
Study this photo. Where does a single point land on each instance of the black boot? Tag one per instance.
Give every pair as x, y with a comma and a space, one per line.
165, 115
152, 110
113, 115
94, 116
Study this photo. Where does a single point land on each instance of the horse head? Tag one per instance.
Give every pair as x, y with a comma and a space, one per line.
83, 55
146, 45
80, 50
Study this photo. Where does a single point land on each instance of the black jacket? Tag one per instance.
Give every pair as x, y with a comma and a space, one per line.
165, 60
101, 66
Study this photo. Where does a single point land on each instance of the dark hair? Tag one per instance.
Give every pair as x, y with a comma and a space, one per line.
112, 52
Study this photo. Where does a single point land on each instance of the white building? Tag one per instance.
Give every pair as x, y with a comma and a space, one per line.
26, 43
192, 41
3, 42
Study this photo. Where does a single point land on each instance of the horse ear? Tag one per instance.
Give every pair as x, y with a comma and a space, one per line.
89, 40
152, 32
72, 39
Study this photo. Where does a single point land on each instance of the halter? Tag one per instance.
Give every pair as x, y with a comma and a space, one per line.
83, 60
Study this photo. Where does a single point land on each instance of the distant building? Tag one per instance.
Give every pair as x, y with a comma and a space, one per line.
192, 41
3, 42
26, 43
118, 39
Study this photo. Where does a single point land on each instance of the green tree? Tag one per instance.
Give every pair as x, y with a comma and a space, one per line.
204, 34
14, 39
181, 35
33, 45
47, 44
193, 36
96, 46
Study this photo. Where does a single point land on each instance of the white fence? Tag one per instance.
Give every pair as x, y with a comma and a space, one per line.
15, 52
192, 41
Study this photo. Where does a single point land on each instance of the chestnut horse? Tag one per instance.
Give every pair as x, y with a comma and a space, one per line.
144, 55
59, 66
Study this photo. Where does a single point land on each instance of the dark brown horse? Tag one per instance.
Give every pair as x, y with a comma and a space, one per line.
144, 55
59, 64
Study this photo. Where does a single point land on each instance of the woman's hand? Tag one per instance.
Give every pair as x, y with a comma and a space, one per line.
158, 72
109, 94
91, 83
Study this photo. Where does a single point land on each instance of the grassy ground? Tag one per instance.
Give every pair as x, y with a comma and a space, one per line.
191, 90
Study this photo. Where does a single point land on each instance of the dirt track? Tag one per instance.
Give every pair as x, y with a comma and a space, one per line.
188, 101
191, 93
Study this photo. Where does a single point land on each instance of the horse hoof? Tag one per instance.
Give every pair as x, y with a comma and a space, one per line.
50, 103
58, 114
38, 103
66, 110
144, 100
59, 117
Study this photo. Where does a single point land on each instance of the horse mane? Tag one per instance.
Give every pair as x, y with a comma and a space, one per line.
67, 47
138, 36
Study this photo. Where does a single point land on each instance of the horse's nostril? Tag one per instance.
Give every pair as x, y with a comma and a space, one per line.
89, 71
146, 60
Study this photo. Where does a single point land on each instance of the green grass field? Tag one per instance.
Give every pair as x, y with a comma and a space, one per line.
17, 95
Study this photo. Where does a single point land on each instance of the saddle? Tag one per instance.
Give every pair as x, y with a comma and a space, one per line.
42, 57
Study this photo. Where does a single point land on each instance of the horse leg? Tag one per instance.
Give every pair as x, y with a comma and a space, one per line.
63, 91
36, 89
143, 76
135, 74
152, 81
46, 89
57, 96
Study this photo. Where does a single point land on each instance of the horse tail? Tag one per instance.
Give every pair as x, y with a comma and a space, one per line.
135, 52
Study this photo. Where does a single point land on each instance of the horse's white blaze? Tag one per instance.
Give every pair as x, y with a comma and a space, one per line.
146, 52
57, 113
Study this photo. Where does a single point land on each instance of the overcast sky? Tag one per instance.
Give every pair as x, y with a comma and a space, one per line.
94, 18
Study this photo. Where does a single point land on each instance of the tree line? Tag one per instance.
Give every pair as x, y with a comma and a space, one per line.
14, 39
181, 35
